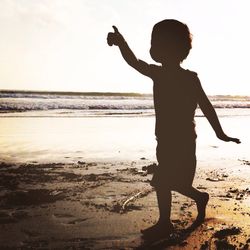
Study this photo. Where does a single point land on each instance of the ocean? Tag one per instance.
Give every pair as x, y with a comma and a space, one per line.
70, 104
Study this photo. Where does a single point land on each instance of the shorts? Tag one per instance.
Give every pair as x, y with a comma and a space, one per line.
176, 164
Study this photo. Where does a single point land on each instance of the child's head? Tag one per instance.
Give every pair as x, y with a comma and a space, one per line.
171, 41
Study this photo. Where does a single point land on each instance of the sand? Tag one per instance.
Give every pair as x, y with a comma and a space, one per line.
80, 184
104, 205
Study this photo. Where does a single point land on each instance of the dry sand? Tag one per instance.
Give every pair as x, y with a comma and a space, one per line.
104, 205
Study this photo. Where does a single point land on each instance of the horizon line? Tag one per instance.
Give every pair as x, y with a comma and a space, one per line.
72, 92
64, 92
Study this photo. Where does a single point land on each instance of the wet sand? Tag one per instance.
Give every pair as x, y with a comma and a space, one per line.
104, 205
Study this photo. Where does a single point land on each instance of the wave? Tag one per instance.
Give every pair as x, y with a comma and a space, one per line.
93, 103
72, 104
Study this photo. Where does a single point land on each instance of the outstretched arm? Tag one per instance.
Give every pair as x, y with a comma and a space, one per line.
116, 38
209, 112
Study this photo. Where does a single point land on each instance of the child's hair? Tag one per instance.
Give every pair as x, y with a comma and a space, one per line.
171, 40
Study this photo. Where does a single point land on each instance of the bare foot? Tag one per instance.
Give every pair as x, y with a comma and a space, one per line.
160, 228
201, 207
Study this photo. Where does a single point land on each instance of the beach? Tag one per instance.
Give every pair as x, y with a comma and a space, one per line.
80, 183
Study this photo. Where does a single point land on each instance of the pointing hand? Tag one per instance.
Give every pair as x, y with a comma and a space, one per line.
115, 38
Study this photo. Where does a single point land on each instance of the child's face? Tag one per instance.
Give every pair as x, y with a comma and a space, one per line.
155, 50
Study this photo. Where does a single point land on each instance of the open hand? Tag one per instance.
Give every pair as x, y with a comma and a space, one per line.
115, 38
226, 138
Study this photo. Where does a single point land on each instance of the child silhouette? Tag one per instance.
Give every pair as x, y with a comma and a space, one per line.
177, 92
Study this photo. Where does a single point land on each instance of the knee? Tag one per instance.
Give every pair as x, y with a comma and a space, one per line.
163, 190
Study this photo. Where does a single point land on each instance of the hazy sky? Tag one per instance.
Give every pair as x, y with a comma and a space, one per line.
61, 44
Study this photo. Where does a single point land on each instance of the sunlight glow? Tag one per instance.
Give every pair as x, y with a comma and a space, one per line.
61, 44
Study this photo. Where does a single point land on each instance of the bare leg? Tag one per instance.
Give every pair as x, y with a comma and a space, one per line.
163, 226
201, 199
164, 198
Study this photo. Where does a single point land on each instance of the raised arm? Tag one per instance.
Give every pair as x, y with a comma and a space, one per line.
116, 38
209, 112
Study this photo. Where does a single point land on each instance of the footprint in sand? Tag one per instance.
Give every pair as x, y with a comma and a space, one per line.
76, 221
12, 216
68, 219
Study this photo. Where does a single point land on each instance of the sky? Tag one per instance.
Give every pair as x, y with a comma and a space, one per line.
60, 45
